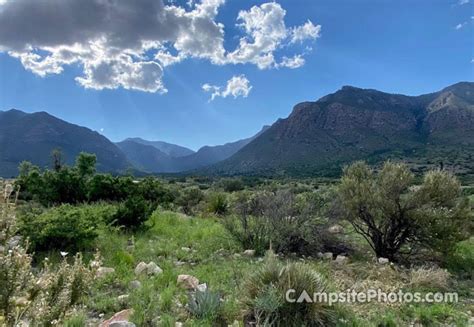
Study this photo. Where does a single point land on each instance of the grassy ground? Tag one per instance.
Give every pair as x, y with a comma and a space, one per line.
202, 248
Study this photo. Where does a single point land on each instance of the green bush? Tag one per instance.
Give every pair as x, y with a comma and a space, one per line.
189, 199
132, 213
232, 185
66, 228
217, 203
265, 291
461, 260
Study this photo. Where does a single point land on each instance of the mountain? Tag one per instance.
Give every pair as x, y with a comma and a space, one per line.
169, 149
354, 123
32, 137
146, 157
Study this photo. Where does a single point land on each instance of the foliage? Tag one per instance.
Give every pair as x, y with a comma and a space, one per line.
133, 212
265, 291
461, 260
189, 199
44, 298
65, 228
205, 305
289, 223
232, 185
217, 203
390, 212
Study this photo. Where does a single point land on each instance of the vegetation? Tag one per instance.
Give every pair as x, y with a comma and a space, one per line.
206, 228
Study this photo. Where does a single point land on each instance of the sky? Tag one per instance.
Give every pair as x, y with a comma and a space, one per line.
208, 72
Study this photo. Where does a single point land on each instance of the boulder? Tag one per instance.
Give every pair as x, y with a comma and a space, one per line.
141, 268
188, 282
202, 287
134, 284
153, 269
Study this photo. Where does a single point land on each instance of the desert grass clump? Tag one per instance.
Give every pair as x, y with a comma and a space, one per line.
265, 290
429, 277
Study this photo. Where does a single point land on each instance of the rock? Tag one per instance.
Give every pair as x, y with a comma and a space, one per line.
202, 287
185, 249
336, 229
14, 241
123, 298
134, 284
187, 281
123, 323
237, 255
341, 259
327, 255
104, 271
178, 324
22, 301
120, 317
249, 253
319, 255
383, 261
153, 269
179, 263
141, 268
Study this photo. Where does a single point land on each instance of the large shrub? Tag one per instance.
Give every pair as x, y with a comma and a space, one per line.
396, 216
265, 295
289, 223
66, 228
217, 203
132, 213
189, 199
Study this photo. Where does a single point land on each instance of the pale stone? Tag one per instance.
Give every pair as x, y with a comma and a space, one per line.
249, 253
103, 271
341, 259
383, 261
188, 281
202, 287
141, 268
336, 229
153, 269
327, 255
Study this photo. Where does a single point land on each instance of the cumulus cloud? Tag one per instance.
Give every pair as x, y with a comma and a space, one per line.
236, 86
463, 2
129, 43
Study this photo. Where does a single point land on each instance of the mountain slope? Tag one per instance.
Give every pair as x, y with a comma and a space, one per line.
355, 123
169, 149
33, 136
146, 158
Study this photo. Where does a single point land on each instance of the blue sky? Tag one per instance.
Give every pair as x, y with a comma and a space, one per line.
409, 47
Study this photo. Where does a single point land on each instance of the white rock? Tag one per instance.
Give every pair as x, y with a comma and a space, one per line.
383, 261
178, 324
134, 284
123, 323
103, 271
336, 229
153, 269
249, 253
185, 249
123, 298
141, 268
341, 259
202, 287
327, 255
188, 281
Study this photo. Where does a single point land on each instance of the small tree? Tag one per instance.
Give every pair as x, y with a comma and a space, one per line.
389, 211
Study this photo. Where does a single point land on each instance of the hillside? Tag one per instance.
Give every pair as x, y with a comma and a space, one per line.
32, 137
353, 123
169, 149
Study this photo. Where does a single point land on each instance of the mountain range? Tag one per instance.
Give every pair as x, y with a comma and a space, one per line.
317, 138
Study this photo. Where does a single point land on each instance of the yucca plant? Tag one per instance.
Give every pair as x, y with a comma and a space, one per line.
265, 291
205, 305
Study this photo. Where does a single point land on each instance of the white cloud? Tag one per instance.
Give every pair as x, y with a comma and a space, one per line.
139, 39
292, 62
305, 32
463, 2
460, 25
236, 86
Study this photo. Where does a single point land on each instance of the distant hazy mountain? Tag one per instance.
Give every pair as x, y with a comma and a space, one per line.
148, 158
33, 136
171, 150
356, 123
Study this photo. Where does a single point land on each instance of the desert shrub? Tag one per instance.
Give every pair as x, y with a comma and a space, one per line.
189, 198
461, 260
205, 305
145, 303
232, 185
154, 191
217, 203
132, 213
288, 222
66, 228
391, 212
265, 291
43, 297
107, 187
